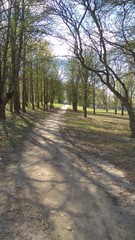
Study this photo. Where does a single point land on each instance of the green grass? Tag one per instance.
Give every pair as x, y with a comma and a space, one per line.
58, 105
100, 122
104, 135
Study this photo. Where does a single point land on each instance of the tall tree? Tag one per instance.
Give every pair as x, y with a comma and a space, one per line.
86, 79
6, 91
73, 81
19, 21
106, 28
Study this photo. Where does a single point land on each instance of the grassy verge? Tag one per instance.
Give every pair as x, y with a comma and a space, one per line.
58, 105
104, 135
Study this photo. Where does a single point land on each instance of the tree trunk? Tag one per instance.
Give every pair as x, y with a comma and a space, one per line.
27, 94
75, 100
15, 80
24, 99
37, 87
24, 82
16, 99
85, 103
32, 99
94, 108
45, 106
106, 109
31, 84
41, 99
46, 101
115, 104
75, 105
2, 111
11, 105
51, 103
132, 121
24, 94
94, 99
122, 109
131, 114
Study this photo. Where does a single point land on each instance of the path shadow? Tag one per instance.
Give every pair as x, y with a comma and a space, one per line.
26, 213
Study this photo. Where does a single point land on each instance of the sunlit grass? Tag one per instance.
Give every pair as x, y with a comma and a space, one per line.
104, 135
100, 122
58, 105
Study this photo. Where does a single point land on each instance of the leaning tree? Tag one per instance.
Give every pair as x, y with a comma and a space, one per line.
105, 28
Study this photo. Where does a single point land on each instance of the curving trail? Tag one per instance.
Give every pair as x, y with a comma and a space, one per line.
55, 194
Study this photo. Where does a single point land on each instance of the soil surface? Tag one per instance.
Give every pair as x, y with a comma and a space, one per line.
52, 191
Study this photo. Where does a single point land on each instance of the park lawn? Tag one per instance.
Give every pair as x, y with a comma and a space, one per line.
104, 135
58, 105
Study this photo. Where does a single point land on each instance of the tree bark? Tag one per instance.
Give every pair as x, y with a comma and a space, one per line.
115, 110
24, 80
11, 105
3, 103
51, 105
132, 120
2, 110
122, 109
75, 105
85, 103
94, 100
24, 91
16, 97
31, 83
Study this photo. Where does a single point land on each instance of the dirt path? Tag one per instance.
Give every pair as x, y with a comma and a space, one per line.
52, 192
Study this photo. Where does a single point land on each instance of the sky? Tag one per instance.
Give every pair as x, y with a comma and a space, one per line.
60, 48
